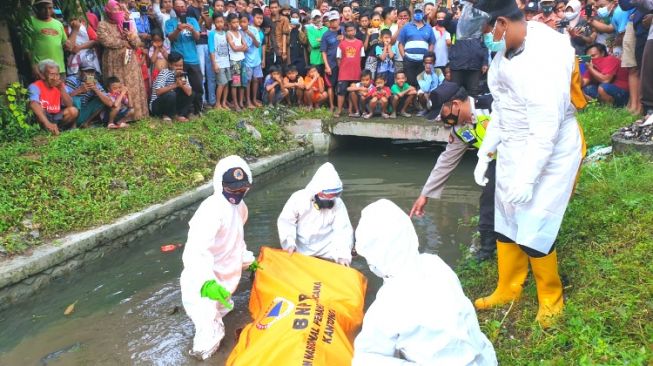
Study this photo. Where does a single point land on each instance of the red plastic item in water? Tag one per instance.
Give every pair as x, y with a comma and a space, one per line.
168, 248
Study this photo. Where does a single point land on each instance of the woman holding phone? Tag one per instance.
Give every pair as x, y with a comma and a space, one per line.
120, 40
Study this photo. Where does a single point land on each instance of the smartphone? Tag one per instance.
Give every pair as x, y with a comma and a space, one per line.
182, 19
588, 11
125, 26
206, 8
90, 79
585, 58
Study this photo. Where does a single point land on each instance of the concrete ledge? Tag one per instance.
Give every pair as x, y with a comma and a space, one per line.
622, 146
20, 268
404, 128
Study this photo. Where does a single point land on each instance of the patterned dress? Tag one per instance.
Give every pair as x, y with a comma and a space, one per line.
113, 64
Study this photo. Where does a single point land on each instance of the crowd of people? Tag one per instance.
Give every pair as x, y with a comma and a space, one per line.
175, 58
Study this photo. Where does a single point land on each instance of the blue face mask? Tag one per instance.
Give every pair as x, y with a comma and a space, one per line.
418, 17
603, 12
491, 44
294, 21
234, 198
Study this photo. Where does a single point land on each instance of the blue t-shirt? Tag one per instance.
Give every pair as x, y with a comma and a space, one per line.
185, 43
620, 19
384, 66
330, 46
253, 53
416, 41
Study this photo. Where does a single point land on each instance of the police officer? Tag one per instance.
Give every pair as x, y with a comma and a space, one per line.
468, 119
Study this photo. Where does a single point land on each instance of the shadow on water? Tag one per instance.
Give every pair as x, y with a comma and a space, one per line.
129, 309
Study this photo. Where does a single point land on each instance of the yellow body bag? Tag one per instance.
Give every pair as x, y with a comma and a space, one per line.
306, 311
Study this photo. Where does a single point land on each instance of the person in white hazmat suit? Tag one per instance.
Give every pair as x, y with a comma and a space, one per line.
215, 254
538, 146
314, 220
420, 315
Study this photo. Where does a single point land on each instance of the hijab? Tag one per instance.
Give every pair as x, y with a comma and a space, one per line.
575, 6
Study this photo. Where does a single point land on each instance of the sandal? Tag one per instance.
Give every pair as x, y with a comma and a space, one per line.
354, 115
112, 126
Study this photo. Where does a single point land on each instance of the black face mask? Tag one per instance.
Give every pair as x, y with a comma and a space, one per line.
440, 22
322, 204
547, 10
450, 119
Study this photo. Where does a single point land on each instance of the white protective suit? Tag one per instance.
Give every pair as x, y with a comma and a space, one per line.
420, 313
535, 135
325, 233
215, 250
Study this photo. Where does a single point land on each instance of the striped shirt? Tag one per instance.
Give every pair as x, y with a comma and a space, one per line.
416, 41
73, 82
165, 78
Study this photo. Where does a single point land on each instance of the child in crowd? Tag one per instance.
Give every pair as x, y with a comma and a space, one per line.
380, 93
329, 48
295, 86
349, 53
236, 56
158, 54
402, 95
428, 80
314, 85
359, 94
252, 63
385, 54
219, 52
274, 91
122, 109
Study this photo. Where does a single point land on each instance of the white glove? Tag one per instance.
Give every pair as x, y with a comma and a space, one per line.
519, 194
481, 168
344, 262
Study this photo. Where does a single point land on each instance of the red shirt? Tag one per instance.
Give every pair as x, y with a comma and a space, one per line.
610, 65
49, 98
380, 93
350, 59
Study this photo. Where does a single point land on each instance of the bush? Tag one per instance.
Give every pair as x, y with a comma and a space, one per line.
16, 118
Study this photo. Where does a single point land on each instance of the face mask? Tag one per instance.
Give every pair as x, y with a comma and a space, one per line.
440, 22
603, 12
570, 15
418, 17
323, 204
233, 198
547, 9
492, 45
376, 23
318, 24
294, 21
450, 119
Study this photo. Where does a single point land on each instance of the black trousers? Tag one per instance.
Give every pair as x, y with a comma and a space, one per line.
469, 79
173, 103
412, 69
196, 79
486, 204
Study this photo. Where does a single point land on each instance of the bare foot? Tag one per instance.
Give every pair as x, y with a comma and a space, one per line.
181, 119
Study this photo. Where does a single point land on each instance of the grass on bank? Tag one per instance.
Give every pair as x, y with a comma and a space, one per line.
605, 251
82, 178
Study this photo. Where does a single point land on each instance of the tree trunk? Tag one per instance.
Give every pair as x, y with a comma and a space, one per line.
8, 70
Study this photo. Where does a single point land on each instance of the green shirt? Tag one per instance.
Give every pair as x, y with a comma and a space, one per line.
396, 89
314, 36
48, 39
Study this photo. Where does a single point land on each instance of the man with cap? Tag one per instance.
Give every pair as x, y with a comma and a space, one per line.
329, 47
547, 16
421, 315
415, 40
215, 254
314, 33
537, 144
89, 97
48, 37
468, 119
315, 222
531, 9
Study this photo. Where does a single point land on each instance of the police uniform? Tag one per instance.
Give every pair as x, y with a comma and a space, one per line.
460, 140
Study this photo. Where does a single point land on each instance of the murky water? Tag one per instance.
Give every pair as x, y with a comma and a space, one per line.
128, 308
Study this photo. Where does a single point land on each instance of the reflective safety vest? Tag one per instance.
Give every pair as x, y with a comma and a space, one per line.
473, 134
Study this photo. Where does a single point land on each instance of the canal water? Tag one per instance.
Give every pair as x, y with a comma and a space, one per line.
128, 304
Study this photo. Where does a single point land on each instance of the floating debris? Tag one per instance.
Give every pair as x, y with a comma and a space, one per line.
70, 309
56, 354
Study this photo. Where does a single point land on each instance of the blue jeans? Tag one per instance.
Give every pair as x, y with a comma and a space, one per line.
208, 73
619, 95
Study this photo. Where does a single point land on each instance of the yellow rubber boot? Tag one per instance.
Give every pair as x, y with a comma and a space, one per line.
512, 263
549, 288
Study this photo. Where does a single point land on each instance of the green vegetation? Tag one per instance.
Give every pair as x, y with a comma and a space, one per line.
54, 185
605, 251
